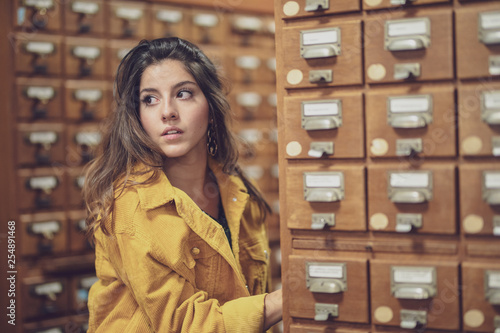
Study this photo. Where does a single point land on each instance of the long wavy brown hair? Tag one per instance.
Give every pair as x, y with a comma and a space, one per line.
125, 142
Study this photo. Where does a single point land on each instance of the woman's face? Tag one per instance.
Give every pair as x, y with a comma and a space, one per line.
174, 110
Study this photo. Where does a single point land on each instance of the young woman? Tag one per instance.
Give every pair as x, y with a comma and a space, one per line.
179, 235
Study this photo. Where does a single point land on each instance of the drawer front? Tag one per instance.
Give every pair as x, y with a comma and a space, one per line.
78, 242
263, 170
117, 49
44, 234
252, 31
87, 100
82, 142
35, 16
327, 289
128, 19
85, 17
481, 292
408, 49
411, 120
39, 55
324, 52
85, 58
45, 296
340, 206
169, 21
412, 201
307, 8
402, 293
477, 42
258, 138
479, 210
479, 119
253, 102
39, 99
208, 27
40, 144
41, 188
327, 126
378, 4
249, 67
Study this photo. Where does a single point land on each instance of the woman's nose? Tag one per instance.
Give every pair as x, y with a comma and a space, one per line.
169, 112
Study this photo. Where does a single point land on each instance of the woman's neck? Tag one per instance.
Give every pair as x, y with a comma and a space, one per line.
194, 178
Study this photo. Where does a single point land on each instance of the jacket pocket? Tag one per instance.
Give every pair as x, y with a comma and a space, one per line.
254, 257
203, 260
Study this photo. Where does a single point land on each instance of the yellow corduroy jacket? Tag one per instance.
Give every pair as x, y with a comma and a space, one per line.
168, 267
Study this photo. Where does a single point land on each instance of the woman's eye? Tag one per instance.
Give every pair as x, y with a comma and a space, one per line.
184, 94
150, 100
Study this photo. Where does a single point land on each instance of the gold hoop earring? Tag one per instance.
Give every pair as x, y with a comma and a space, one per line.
211, 142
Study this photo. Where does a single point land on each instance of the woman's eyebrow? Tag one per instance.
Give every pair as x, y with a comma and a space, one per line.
175, 86
148, 90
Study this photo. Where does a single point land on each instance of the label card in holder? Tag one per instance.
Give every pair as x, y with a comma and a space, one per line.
321, 114
87, 8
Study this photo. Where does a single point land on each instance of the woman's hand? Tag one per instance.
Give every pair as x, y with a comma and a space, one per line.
273, 305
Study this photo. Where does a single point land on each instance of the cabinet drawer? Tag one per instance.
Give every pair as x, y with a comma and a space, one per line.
170, 21
38, 55
40, 144
327, 126
323, 196
411, 48
411, 120
39, 99
407, 200
38, 15
322, 52
40, 188
308, 8
85, 17
477, 42
44, 234
479, 204
128, 19
415, 295
87, 100
85, 57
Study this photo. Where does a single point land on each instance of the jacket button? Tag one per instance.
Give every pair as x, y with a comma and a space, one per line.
195, 251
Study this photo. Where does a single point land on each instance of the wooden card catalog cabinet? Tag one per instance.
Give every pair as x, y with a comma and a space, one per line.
480, 199
327, 289
46, 297
330, 126
410, 296
38, 15
128, 19
39, 99
170, 21
87, 100
413, 199
311, 8
481, 296
478, 41
38, 55
479, 119
331, 198
411, 121
40, 188
322, 53
409, 49
85, 58
44, 233
208, 28
40, 144
85, 17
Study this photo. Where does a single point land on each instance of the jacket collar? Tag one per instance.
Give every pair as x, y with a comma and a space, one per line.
160, 191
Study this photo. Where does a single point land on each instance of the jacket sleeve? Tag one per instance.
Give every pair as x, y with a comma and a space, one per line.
170, 302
